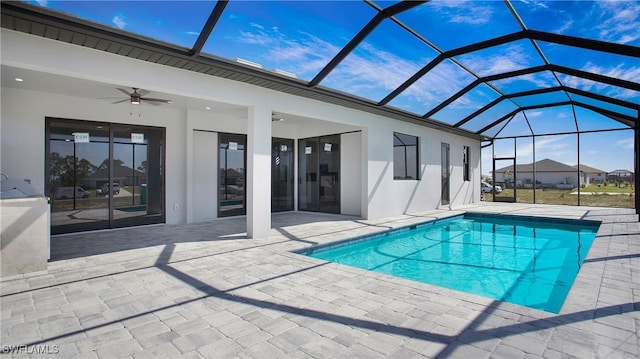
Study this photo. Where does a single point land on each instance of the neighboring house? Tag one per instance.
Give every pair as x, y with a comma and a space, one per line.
620, 175
591, 175
123, 175
548, 174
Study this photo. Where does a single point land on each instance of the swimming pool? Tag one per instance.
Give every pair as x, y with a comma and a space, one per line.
528, 261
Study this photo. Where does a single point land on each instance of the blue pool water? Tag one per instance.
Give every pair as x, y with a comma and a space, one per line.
523, 260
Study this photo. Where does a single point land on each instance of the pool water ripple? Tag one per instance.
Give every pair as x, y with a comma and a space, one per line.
526, 261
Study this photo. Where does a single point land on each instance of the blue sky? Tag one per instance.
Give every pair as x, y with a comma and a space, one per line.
301, 37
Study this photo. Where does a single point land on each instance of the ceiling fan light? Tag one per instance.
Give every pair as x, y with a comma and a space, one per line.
135, 100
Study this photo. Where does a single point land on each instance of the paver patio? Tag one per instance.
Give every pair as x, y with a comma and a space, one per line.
205, 290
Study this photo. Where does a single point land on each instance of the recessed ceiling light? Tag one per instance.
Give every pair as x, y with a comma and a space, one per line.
207, 108
19, 79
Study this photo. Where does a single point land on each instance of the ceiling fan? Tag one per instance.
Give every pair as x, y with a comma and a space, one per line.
137, 96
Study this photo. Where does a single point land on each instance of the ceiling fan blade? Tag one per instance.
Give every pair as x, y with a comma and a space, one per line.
151, 102
149, 99
124, 91
125, 100
143, 92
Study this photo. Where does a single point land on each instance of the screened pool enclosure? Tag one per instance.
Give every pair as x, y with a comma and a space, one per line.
533, 80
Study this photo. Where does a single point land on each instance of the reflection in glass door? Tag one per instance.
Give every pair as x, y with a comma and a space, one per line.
308, 174
76, 152
445, 195
102, 175
136, 187
329, 169
319, 174
281, 175
232, 163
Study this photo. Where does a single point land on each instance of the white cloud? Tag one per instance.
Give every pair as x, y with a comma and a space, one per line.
620, 71
546, 147
538, 80
536, 3
497, 59
464, 12
118, 20
621, 21
368, 70
534, 114
43, 3
626, 143
373, 70
566, 25
437, 85
307, 55
194, 33
251, 38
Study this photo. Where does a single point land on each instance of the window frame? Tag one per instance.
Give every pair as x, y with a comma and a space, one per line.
466, 163
397, 138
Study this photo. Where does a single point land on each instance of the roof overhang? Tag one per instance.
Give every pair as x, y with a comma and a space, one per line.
57, 26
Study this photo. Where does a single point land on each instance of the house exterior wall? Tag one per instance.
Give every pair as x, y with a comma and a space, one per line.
371, 190
594, 178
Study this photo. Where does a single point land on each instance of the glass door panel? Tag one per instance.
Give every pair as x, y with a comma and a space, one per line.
445, 164
319, 174
329, 169
137, 196
76, 154
231, 191
103, 176
282, 175
308, 174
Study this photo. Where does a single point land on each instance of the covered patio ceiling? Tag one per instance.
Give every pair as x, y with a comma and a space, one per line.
485, 69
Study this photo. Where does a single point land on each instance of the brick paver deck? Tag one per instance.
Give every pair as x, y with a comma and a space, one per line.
204, 290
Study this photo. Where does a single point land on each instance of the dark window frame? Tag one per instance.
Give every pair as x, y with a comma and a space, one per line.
466, 163
241, 139
406, 141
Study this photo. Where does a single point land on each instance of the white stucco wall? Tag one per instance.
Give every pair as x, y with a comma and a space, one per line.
204, 177
23, 137
350, 173
23, 114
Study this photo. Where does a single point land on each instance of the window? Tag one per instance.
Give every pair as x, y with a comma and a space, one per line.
405, 157
103, 175
232, 162
465, 163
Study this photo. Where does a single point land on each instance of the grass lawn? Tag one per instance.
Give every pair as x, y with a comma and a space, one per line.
611, 188
610, 198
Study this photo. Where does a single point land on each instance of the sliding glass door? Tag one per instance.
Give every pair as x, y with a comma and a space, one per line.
231, 172
281, 175
102, 175
319, 174
137, 186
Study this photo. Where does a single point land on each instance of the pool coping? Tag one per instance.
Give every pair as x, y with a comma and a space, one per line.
307, 251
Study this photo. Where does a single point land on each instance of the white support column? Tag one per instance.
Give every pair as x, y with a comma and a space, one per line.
258, 171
